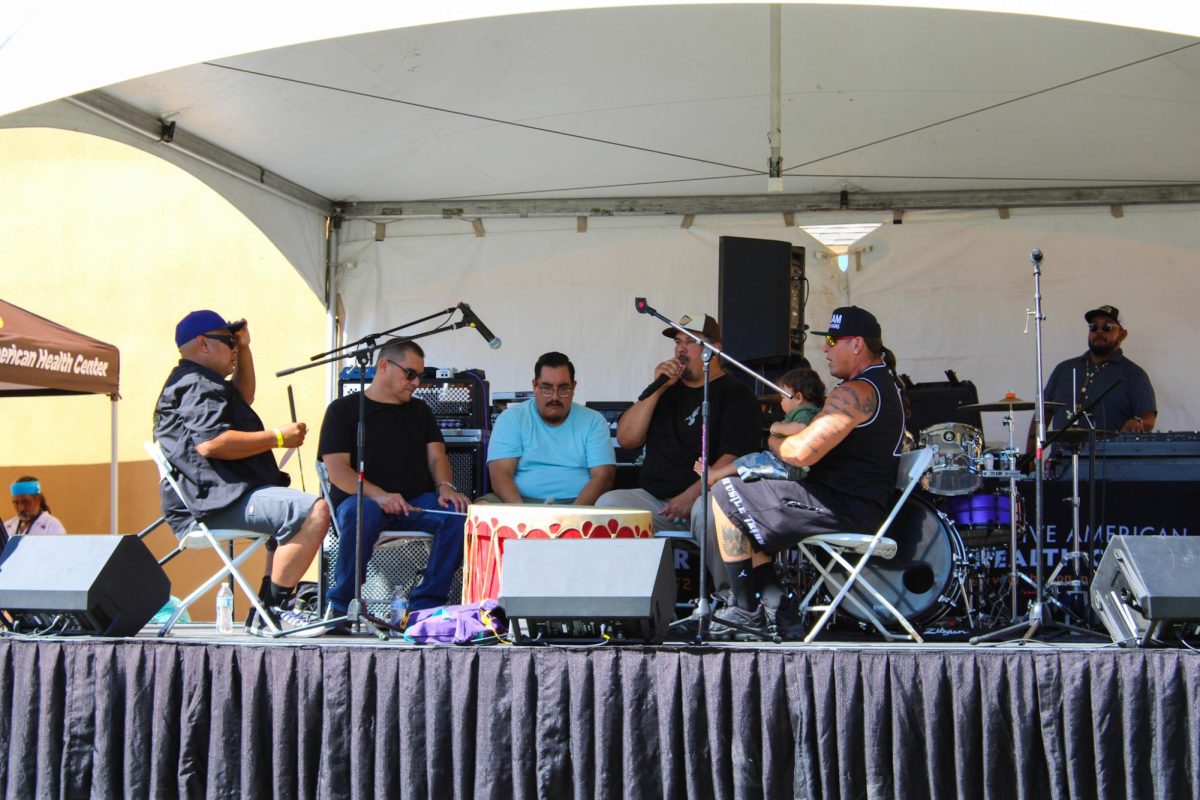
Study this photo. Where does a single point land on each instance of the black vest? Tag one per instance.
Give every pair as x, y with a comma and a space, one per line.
861, 471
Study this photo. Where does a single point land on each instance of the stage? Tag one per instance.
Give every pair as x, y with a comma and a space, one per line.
199, 715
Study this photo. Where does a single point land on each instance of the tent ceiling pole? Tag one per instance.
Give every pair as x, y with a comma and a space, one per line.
965, 199
775, 129
202, 150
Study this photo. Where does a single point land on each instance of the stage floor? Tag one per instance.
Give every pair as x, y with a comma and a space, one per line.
196, 714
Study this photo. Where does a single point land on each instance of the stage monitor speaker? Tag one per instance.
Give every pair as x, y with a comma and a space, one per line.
588, 589
100, 585
1145, 586
760, 306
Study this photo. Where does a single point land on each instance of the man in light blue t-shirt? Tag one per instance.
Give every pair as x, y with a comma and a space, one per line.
551, 449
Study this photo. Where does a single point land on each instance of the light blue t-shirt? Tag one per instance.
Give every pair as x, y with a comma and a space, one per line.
552, 461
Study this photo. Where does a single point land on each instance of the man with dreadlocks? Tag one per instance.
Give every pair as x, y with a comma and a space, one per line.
852, 449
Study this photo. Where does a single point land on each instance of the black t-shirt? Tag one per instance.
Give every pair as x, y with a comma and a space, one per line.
195, 406
673, 438
396, 437
861, 470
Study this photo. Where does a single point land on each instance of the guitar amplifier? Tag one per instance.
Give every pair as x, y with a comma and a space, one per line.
459, 403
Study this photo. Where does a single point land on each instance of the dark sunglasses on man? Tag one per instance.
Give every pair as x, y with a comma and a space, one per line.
223, 338
409, 372
1107, 327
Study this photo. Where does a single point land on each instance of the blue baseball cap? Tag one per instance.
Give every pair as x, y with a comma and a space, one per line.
199, 322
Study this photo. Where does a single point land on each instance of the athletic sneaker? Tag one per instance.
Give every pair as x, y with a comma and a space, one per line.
286, 619
755, 621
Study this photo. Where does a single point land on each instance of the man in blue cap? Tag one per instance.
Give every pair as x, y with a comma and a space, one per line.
205, 425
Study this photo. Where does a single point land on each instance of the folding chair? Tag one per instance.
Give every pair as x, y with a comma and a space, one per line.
827, 553
398, 559
201, 537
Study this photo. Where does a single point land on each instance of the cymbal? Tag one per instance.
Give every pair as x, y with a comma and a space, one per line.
1078, 435
1013, 403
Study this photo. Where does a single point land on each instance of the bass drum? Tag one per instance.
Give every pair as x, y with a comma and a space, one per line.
924, 580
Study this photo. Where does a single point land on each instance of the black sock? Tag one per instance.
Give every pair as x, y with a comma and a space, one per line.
279, 595
741, 581
766, 583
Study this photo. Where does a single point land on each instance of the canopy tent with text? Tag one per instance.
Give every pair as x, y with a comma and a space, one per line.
41, 357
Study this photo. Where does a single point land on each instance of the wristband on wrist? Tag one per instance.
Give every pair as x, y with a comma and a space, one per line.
278, 438
440, 484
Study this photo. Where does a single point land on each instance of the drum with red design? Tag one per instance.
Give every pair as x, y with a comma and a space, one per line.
489, 525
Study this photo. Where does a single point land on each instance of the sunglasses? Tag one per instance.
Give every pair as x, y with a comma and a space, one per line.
833, 340
409, 372
224, 339
1107, 327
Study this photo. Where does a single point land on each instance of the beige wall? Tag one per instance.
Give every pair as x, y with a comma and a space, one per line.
119, 245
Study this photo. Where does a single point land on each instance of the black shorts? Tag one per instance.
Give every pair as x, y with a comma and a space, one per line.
777, 514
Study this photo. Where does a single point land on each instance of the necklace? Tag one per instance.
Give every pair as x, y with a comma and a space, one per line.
1091, 370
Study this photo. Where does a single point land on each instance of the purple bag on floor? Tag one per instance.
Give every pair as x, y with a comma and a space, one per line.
463, 624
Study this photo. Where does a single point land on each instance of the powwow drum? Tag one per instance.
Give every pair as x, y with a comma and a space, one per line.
489, 525
957, 450
984, 519
924, 579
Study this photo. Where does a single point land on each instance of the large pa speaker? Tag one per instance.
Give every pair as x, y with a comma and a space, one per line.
588, 589
760, 306
1147, 587
105, 585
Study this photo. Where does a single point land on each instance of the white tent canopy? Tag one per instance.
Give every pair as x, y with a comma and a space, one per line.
986, 134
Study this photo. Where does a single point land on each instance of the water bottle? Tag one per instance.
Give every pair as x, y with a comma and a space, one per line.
224, 609
399, 608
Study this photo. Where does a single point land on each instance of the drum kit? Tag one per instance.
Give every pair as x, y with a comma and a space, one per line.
943, 576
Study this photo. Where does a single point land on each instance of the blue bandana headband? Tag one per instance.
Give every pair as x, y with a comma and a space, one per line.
25, 487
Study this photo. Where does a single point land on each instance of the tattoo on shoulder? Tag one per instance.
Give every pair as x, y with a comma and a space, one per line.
851, 401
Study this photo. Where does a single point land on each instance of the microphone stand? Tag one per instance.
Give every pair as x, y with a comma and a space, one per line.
702, 613
1035, 618
356, 610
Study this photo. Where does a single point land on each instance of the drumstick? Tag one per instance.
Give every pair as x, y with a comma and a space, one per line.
292, 405
438, 511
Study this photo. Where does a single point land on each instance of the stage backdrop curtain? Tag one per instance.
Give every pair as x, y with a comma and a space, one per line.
156, 719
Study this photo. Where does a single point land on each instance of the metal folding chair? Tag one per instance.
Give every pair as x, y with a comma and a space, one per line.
827, 553
201, 537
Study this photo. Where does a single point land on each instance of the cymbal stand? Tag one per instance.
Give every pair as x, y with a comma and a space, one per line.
1075, 584
1035, 618
1008, 469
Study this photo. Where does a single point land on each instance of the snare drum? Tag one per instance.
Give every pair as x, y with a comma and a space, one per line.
957, 450
489, 525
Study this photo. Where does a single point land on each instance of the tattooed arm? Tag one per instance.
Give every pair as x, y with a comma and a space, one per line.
848, 406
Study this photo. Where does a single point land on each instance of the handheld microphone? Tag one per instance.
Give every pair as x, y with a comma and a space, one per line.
1036, 256
653, 387
475, 322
